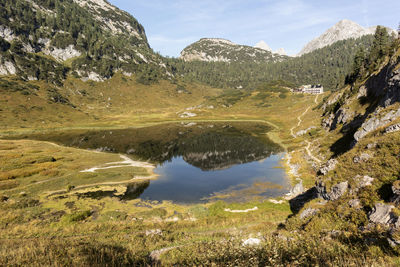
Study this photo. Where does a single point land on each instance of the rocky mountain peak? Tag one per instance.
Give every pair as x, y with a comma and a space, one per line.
344, 29
263, 45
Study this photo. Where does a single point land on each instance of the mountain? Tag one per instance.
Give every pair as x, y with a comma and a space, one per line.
91, 39
343, 30
263, 45
327, 66
221, 50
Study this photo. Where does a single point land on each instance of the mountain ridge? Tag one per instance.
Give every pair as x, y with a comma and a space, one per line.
222, 50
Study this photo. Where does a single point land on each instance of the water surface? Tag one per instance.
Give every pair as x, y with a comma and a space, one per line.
196, 162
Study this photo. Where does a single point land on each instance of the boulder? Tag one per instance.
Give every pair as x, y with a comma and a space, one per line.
336, 192
382, 214
364, 157
308, 213
354, 203
328, 166
252, 242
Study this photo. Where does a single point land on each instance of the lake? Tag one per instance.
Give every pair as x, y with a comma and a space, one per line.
196, 162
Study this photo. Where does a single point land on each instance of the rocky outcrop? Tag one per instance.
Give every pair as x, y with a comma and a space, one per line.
62, 54
336, 192
382, 214
7, 68
342, 116
375, 122
393, 128
328, 166
303, 132
7, 34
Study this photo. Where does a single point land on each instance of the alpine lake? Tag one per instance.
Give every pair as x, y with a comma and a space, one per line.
196, 162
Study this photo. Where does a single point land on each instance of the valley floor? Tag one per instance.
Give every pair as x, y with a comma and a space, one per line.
51, 212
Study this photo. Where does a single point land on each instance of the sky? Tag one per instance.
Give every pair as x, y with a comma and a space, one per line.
171, 25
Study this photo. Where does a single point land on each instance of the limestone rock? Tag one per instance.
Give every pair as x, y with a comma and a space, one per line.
393, 128
328, 166
252, 242
382, 214
336, 192
354, 203
308, 213
364, 157
297, 190
62, 54
374, 123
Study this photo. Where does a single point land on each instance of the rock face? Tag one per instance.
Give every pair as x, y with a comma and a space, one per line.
342, 116
62, 54
344, 29
336, 192
375, 122
221, 50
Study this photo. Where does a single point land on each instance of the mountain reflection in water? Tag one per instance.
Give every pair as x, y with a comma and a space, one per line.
223, 150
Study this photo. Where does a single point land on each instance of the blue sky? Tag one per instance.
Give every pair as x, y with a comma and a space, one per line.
171, 25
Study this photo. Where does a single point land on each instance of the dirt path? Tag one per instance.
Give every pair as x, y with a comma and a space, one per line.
299, 117
307, 148
309, 152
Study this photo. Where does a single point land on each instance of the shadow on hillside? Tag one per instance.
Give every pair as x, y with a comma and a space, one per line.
297, 203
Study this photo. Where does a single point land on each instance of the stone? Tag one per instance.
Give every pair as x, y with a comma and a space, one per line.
155, 255
328, 166
392, 128
396, 192
382, 214
337, 191
252, 242
296, 190
364, 181
364, 157
354, 203
362, 92
153, 232
308, 213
